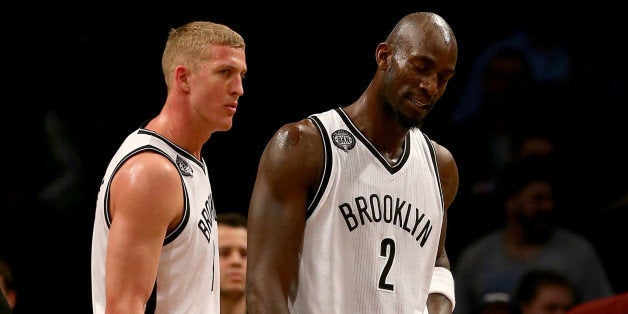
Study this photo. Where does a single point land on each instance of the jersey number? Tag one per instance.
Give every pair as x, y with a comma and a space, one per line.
387, 250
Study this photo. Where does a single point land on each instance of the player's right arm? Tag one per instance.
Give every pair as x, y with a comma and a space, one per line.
449, 178
146, 199
288, 173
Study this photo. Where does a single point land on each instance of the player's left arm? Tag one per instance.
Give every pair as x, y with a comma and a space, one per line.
441, 298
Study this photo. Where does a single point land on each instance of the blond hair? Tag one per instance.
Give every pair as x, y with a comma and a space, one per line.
190, 44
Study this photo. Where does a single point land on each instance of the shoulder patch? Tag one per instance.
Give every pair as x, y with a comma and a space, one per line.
185, 169
343, 139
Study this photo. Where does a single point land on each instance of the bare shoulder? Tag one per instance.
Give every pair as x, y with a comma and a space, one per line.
295, 143
147, 185
296, 136
144, 169
293, 156
448, 171
444, 156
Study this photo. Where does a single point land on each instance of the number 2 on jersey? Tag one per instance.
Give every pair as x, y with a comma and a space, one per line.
387, 250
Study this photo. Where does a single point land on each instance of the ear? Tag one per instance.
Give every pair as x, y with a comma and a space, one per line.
382, 53
182, 77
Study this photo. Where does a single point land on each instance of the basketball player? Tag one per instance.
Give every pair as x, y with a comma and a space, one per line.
154, 246
233, 252
349, 208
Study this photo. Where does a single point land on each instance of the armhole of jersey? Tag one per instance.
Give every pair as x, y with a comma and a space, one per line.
186, 213
186, 206
151, 304
327, 166
430, 145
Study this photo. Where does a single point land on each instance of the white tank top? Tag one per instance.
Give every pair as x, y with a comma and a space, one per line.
372, 230
188, 279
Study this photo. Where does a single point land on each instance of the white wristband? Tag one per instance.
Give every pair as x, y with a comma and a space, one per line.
443, 283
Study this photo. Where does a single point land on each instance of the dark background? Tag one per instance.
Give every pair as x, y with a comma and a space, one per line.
97, 66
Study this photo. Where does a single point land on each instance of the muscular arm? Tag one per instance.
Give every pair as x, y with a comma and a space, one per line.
146, 199
288, 171
438, 303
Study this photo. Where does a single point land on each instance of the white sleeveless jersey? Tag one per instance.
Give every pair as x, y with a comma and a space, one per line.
188, 279
372, 229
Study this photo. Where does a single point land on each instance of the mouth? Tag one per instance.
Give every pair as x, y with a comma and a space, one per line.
232, 107
421, 104
236, 277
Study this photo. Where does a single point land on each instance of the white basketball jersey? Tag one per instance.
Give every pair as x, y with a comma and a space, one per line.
373, 228
188, 279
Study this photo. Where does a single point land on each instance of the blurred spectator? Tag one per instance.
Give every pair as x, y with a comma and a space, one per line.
512, 107
8, 294
542, 42
536, 145
531, 143
484, 140
531, 239
42, 193
518, 82
232, 238
5, 308
543, 291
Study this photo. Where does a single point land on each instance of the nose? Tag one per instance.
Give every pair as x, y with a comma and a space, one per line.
235, 258
237, 86
429, 83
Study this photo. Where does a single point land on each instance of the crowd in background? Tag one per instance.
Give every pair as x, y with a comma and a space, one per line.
535, 79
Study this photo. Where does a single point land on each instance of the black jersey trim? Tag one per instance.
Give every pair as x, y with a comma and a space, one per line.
186, 206
151, 304
327, 167
430, 145
186, 214
405, 154
174, 146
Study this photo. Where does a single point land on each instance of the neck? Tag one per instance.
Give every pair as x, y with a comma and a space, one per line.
233, 305
179, 131
379, 127
519, 246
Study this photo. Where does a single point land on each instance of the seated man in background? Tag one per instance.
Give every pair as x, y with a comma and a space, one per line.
531, 239
232, 247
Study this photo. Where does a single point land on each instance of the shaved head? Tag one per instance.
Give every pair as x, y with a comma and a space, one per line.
415, 27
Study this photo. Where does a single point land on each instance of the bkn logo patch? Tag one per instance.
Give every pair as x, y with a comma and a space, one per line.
343, 139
